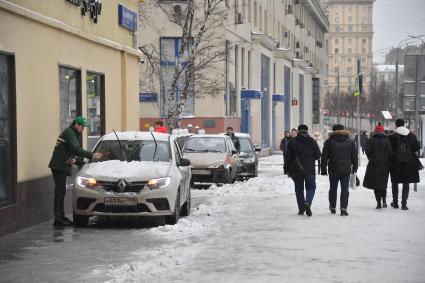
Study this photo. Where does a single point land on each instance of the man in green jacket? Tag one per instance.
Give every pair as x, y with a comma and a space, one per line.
235, 139
67, 148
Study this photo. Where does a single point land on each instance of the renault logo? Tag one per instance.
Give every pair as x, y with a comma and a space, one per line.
121, 185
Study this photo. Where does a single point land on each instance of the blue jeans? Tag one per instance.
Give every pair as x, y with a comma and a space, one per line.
310, 187
333, 190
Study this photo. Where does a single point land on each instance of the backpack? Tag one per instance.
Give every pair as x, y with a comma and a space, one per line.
403, 152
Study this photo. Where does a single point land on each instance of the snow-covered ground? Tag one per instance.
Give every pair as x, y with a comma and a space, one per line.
245, 232
250, 232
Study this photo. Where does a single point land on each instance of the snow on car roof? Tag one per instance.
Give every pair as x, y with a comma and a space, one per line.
134, 135
207, 136
240, 135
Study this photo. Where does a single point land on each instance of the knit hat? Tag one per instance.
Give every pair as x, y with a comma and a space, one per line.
81, 121
379, 129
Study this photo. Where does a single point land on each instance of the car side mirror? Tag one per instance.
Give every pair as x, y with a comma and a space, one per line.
184, 162
256, 148
234, 151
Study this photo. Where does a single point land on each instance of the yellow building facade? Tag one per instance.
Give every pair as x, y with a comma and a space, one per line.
59, 59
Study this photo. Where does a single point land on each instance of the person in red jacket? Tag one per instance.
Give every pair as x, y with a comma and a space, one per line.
159, 127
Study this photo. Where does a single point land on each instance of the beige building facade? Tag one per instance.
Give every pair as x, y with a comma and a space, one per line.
55, 64
272, 78
349, 40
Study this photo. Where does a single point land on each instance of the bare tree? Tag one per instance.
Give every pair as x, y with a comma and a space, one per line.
200, 51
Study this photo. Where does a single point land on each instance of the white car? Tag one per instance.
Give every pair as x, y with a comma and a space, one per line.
142, 174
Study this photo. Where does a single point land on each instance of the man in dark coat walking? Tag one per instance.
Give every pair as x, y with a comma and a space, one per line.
284, 146
339, 157
307, 151
404, 168
379, 152
363, 141
67, 148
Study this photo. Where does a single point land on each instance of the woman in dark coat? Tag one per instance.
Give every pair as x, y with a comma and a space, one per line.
379, 152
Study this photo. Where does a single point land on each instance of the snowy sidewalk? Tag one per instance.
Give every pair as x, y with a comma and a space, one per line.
250, 232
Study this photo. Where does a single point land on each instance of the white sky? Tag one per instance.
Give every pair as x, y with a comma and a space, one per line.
394, 20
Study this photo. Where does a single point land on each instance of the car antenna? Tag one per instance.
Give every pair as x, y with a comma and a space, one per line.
156, 146
119, 142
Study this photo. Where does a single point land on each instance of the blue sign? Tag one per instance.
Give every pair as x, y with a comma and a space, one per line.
127, 18
278, 98
251, 94
148, 97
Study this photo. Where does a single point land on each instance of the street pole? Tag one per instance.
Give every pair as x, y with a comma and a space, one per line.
339, 101
360, 90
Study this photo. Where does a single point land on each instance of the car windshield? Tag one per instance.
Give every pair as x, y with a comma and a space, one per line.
245, 145
205, 145
138, 150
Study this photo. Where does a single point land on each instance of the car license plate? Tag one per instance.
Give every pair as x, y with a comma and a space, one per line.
201, 172
120, 201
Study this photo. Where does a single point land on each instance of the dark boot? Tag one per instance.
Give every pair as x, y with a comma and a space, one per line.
384, 202
394, 205
333, 210
307, 209
404, 206
378, 204
344, 213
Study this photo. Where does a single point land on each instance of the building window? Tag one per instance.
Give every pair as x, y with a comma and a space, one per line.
336, 60
349, 60
363, 59
363, 50
364, 40
7, 129
243, 67
336, 19
255, 13
349, 50
337, 28
336, 40
350, 19
70, 95
316, 101
350, 9
363, 20
336, 50
363, 28
350, 28
95, 107
349, 69
169, 52
349, 41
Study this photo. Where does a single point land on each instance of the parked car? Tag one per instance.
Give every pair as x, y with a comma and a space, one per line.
247, 156
213, 158
141, 174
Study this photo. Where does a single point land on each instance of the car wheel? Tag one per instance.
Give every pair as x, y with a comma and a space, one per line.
174, 218
186, 206
80, 220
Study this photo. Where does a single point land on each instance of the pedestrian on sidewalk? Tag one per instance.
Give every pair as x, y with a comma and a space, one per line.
379, 152
302, 153
294, 133
339, 157
363, 141
318, 138
67, 149
234, 138
404, 167
284, 147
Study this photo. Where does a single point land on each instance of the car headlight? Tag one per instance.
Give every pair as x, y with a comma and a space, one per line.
86, 182
249, 160
159, 183
217, 164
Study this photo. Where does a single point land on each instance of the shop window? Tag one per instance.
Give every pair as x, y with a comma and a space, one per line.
95, 107
70, 95
169, 48
7, 129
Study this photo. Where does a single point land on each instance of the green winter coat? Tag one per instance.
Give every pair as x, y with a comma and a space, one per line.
235, 141
67, 146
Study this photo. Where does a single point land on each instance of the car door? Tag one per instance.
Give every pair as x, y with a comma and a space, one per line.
184, 171
233, 158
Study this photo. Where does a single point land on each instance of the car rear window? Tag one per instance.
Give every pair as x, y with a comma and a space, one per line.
205, 144
138, 150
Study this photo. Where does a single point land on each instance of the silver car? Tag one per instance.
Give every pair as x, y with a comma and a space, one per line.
213, 158
141, 174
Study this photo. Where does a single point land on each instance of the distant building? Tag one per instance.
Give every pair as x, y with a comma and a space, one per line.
349, 39
272, 79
